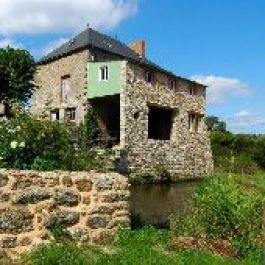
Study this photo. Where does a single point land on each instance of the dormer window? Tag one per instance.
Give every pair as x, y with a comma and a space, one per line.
104, 73
148, 77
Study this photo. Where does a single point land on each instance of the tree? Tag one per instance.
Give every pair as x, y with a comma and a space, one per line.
17, 69
214, 124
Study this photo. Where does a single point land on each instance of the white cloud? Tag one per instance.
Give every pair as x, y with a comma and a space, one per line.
221, 88
242, 113
41, 16
9, 42
245, 121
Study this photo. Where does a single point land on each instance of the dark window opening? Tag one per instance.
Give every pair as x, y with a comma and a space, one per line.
55, 115
194, 122
70, 114
136, 115
172, 84
107, 111
160, 122
192, 91
148, 76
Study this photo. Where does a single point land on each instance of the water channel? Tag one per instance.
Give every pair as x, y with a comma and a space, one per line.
154, 203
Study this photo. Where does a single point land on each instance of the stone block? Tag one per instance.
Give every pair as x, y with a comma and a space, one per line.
32, 196
84, 185
96, 222
65, 218
104, 184
67, 181
9, 242
4, 197
67, 198
15, 221
3, 180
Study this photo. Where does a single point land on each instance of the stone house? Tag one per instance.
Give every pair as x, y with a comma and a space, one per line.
156, 117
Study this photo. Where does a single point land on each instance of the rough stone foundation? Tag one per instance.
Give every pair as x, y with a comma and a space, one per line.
90, 205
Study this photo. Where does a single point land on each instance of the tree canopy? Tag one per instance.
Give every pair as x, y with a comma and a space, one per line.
214, 124
17, 69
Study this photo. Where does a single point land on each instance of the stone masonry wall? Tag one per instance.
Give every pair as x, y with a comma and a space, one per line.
90, 205
187, 154
48, 78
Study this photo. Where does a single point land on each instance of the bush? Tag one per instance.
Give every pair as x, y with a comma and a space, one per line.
222, 209
26, 143
236, 153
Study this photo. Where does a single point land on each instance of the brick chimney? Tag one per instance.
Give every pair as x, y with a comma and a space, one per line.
139, 47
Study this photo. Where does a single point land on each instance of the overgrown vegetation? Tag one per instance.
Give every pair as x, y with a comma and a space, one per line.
225, 208
236, 153
27, 143
146, 246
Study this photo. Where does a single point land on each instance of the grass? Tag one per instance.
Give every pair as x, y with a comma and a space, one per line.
146, 246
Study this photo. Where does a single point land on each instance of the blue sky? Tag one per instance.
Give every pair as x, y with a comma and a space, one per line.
219, 43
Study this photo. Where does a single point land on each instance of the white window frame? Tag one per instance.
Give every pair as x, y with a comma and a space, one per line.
55, 115
103, 75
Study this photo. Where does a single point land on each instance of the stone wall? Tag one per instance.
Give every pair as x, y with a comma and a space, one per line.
90, 205
187, 154
48, 78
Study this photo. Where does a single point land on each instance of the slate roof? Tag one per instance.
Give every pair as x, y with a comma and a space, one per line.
95, 39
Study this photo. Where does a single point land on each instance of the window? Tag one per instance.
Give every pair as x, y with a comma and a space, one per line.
55, 115
65, 87
160, 122
148, 76
194, 122
172, 84
192, 90
104, 73
70, 114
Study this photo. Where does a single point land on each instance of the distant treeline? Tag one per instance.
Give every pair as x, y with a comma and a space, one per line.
235, 153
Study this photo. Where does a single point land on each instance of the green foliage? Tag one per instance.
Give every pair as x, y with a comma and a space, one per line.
235, 153
222, 208
90, 130
147, 246
259, 153
60, 254
214, 124
60, 233
17, 69
26, 143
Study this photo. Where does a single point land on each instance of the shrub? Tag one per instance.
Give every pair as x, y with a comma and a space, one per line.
26, 143
221, 208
